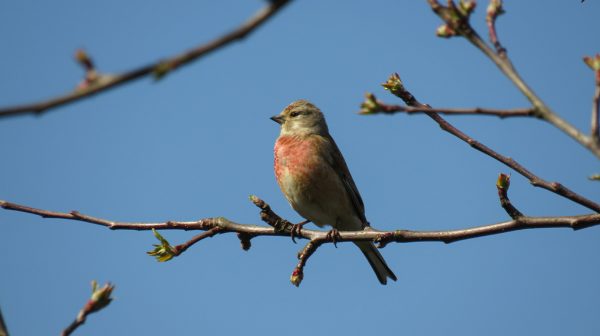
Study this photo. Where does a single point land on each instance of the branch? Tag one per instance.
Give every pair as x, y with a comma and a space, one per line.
456, 20
281, 227
396, 87
101, 297
373, 106
158, 69
574, 222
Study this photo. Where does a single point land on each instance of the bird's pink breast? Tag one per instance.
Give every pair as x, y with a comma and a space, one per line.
295, 158
300, 164
303, 175
310, 184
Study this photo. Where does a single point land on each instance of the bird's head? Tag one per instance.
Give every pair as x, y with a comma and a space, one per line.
301, 117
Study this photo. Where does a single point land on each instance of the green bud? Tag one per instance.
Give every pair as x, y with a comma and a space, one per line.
163, 251
503, 181
445, 31
494, 9
467, 7
593, 62
369, 105
394, 84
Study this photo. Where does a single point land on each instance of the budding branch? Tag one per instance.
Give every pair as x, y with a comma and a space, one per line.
281, 227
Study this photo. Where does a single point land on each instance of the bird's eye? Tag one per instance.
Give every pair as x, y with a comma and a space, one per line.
294, 114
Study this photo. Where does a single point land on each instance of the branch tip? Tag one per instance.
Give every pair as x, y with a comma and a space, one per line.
456, 18
503, 181
502, 184
394, 84
370, 105
296, 277
257, 201
84, 60
494, 10
592, 61
100, 299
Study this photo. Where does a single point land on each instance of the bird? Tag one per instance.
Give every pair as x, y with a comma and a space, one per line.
315, 179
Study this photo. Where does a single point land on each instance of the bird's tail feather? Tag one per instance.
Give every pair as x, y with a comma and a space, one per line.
376, 261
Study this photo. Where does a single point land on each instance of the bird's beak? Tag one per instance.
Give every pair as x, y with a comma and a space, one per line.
278, 119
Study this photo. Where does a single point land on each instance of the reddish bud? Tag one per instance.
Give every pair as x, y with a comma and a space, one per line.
297, 276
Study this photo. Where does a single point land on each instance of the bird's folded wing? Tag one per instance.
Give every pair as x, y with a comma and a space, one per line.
341, 168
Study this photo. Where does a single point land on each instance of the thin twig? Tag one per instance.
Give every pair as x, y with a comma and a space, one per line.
159, 68
459, 25
303, 255
502, 185
71, 328
493, 11
393, 109
179, 249
595, 131
594, 63
396, 87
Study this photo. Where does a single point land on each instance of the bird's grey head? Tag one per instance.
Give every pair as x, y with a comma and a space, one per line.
301, 117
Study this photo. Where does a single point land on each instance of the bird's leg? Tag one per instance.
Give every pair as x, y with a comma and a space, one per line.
297, 229
333, 236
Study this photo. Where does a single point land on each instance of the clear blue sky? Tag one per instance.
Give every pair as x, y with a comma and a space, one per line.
197, 143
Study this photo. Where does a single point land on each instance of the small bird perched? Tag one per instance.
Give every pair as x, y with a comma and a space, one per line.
315, 179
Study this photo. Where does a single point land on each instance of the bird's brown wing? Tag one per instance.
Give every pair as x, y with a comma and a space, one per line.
341, 168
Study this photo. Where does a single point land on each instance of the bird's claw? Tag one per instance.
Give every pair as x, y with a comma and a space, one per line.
333, 236
297, 230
